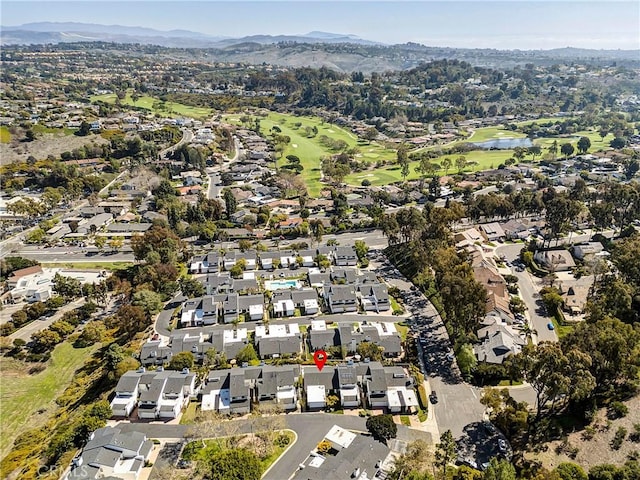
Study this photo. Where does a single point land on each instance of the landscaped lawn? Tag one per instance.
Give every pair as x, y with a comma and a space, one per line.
171, 109
561, 330
5, 135
195, 450
22, 395
480, 160
310, 150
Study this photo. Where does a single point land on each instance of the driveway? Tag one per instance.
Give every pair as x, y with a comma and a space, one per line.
528, 287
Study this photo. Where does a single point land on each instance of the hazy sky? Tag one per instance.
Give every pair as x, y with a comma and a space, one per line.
510, 24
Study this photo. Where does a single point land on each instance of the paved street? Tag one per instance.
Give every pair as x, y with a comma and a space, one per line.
25, 332
74, 254
458, 403
529, 288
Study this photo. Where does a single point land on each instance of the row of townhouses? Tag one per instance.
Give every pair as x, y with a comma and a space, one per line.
340, 290
367, 384
274, 341
213, 262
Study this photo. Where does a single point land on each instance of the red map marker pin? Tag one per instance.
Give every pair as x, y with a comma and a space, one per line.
320, 357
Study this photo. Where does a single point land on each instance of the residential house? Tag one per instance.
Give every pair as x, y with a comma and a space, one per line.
308, 257
231, 258
492, 232
319, 279
585, 251
345, 256
498, 341
278, 384
215, 283
233, 341
389, 388
239, 395
109, 453
343, 276
285, 302
288, 259
318, 384
251, 306
243, 286
209, 263
515, 229
348, 386
126, 395
290, 224
340, 298
230, 307
321, 337
273, 341
468, 237
155, 352
383, 334
376, 387
374, 297
554, 260
575, 298
265, 384
127, 230
159, 394
268, 260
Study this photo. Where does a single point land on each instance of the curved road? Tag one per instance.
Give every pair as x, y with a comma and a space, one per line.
187, 136
538, 319
309, 427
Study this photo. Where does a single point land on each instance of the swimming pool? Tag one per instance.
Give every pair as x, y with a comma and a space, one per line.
281, 284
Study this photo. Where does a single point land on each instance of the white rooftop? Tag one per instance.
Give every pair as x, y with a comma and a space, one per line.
237, 335
316, 393
339, 436
318, 325
277, 331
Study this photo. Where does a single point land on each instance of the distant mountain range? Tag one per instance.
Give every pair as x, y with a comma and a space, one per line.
53, 32
341, 52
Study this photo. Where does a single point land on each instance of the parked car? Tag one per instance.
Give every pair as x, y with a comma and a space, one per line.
502, 445
550, 326
433, 397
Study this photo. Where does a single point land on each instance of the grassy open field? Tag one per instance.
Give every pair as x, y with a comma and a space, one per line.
42, 129
25, 399
171, 109
481, 160
5, 135
310, 150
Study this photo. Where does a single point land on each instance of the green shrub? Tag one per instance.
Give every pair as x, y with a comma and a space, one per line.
617, 410
618, 438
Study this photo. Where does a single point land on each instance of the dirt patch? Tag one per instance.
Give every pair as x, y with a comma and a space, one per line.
11, 367
44, 145
597, 450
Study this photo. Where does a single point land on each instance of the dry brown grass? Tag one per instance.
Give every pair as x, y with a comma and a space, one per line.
45, 144
597, 450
